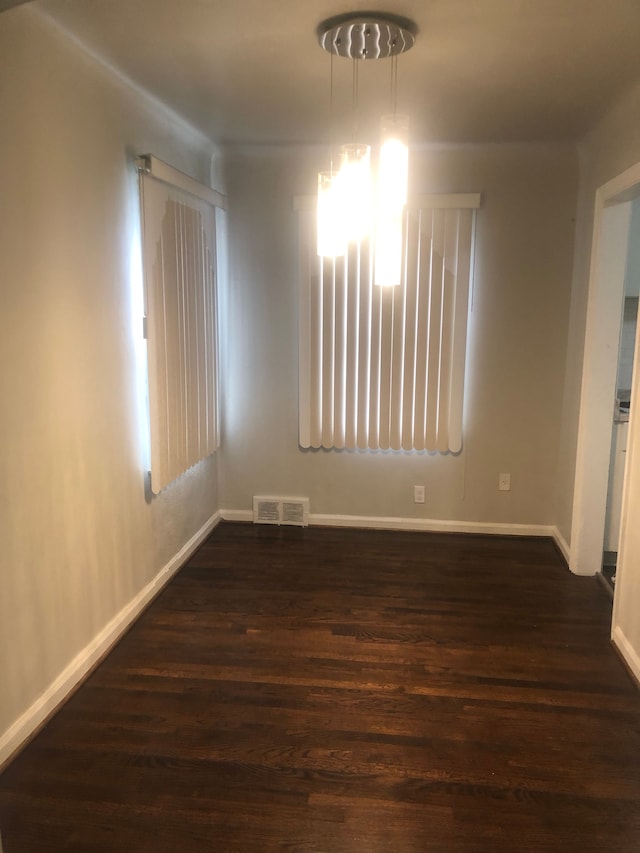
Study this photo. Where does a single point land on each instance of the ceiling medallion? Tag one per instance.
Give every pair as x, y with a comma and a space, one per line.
366, 36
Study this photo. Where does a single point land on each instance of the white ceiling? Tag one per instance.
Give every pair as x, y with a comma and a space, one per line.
481, 70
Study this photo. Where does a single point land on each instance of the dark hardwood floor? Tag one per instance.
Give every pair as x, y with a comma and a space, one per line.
334, 691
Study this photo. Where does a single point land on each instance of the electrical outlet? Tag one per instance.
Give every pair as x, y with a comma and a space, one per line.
504, 482
418, 494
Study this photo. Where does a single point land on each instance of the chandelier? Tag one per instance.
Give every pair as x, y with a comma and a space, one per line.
351, 204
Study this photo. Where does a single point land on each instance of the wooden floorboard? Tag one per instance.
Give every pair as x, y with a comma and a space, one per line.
337, 691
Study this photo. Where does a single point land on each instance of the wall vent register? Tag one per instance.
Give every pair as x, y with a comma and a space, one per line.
277, 510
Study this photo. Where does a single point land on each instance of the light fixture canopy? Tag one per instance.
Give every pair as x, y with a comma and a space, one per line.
360, 35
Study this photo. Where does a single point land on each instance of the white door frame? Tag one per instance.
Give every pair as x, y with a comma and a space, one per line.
599, 370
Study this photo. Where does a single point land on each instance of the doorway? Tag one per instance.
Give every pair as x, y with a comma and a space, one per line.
599, 377
612, 222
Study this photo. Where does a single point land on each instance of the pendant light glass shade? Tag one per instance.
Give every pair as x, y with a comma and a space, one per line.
393, 176
348, 207
355, 190
388, 250
391, 198
331, 236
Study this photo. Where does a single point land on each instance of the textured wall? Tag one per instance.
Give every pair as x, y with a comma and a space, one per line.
80, 535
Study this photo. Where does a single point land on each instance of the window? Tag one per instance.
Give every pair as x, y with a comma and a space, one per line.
383, 368
180, 260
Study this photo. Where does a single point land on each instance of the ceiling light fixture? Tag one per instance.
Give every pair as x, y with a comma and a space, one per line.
347, 196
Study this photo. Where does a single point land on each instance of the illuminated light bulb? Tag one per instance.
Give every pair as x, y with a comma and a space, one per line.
331, 237
393, 175
391, 198
355, 190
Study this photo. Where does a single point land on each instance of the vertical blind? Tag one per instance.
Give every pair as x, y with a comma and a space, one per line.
179, 258
383, 368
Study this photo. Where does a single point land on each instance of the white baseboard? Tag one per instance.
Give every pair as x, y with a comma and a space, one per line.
629, 654
236, 514
562, 544
29, 722
436, 525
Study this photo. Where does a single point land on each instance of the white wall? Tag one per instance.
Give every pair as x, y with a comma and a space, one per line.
631, 291
516, 351
81, 538
626, 611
